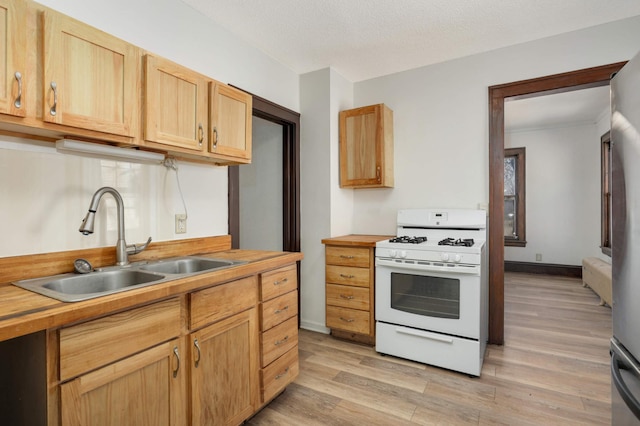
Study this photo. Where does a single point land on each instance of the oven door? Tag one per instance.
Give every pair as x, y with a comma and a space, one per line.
429, 297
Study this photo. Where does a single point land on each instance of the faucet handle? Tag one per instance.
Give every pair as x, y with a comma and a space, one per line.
137, 248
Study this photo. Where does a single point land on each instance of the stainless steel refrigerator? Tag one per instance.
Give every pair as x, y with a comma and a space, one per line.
625, 196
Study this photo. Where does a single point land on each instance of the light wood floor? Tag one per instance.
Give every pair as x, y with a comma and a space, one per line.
552, 370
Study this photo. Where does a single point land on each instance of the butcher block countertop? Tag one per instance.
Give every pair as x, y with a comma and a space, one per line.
356, 240
23, 312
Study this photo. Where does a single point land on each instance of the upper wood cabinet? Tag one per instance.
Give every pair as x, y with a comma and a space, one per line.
91, 79
366, 147
175, 105
12, 57
230, 122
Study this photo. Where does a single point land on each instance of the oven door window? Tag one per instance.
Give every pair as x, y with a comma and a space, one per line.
425, 295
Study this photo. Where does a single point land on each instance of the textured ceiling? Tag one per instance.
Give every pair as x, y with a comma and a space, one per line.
363, 39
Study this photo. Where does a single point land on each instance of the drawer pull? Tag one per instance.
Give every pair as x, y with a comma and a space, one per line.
177, 355
279, 311
279, 342
195, 343
284, 280
344, 296
344, 256
347, 319
284, 373
347, 276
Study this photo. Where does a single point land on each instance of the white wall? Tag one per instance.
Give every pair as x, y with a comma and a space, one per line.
261, 189
326, 210
45, 195
440, 132
563, 193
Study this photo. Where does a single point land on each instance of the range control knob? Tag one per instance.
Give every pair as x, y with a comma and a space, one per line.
457, 258
393, 253
403, 254
445, 257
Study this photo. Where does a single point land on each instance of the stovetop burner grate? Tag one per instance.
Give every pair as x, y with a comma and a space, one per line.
466, 242
408, 240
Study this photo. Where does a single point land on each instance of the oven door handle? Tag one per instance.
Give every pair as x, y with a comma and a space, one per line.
423, 334
458, 269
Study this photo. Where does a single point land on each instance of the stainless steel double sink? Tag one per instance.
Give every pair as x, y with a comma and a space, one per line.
75, 287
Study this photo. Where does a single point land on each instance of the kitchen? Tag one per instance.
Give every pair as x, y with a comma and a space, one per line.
429, 103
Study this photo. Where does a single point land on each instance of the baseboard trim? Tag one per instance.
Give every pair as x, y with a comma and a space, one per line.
544, 268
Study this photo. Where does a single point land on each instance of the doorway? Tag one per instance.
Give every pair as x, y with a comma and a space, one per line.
288, 123
590, 77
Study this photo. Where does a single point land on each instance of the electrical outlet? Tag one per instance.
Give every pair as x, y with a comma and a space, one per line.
538, 257
181, 223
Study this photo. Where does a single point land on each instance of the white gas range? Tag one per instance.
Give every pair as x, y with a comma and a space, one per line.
431, 289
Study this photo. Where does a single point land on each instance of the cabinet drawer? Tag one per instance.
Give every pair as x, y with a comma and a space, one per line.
348, 275
348, 319
347, 256
92, 344
277, 310
348, 296
279, 374
278, 340
278, 282
215, 303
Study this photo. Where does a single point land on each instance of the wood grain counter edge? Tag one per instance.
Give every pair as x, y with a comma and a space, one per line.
23, 312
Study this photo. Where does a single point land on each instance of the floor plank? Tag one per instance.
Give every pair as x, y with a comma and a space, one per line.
553, 369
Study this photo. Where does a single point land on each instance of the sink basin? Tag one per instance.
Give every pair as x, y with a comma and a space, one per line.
188, 265
77, 287
74, 287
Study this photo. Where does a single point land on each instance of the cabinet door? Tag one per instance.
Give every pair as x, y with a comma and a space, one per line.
175, 103
91, 79
224, 373
230, 111
366, 147
12, 57
145, 389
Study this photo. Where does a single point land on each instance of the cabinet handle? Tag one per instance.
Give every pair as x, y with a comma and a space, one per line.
279, 311
279, 342
378, 173
195, 343
344, 256
215, 137
347, 319
347, 276
284, 280
177, 355
200, 134
18, 102
346, 297
54, 87
284, 373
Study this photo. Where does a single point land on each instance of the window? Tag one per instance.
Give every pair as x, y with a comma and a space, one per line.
514, 197
605, 193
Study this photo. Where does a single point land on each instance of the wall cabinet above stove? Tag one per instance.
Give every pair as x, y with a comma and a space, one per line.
366, 147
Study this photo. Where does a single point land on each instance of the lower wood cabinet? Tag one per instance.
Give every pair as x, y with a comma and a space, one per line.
350, 286
224, 372
211, 357
148, 388
278, 330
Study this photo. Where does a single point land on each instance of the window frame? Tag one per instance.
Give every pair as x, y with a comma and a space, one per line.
521, 228
605, 193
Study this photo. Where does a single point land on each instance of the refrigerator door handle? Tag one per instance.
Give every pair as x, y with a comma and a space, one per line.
622, 387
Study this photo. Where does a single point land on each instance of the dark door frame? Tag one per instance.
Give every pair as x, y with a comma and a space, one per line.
290, 121
565, 82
